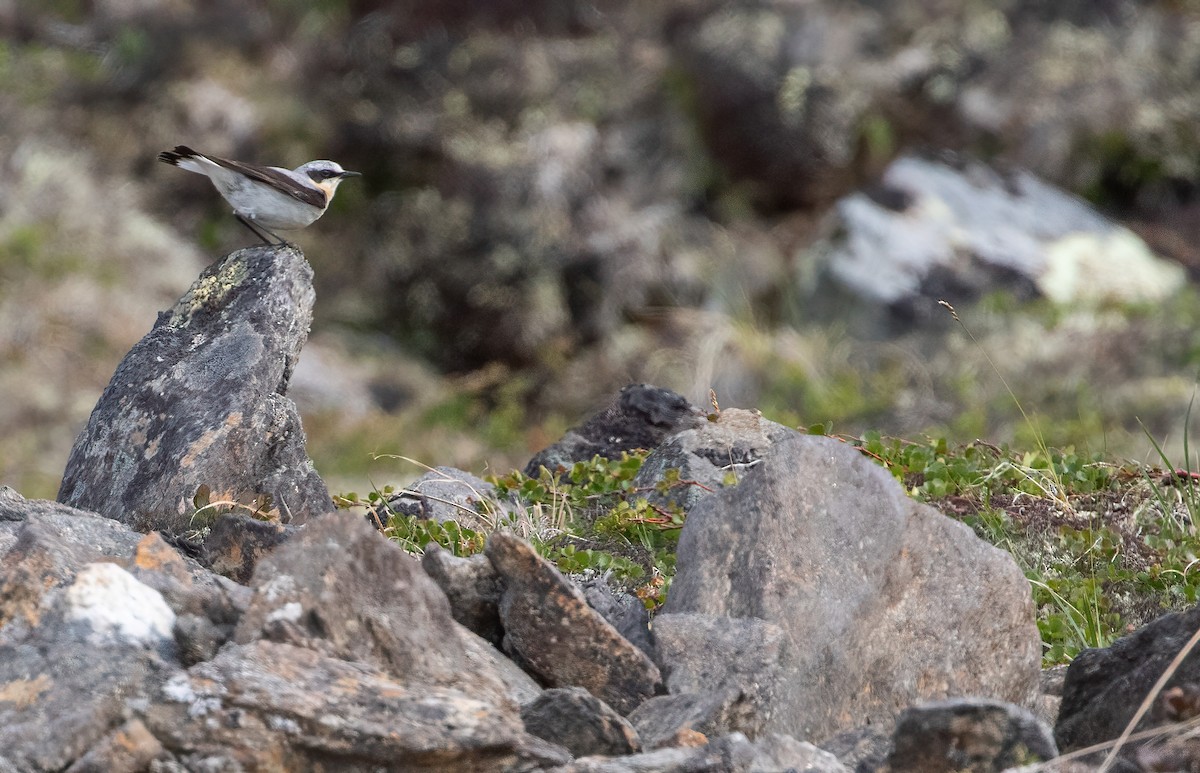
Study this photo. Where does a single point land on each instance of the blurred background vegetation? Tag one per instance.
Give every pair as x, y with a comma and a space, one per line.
560, 198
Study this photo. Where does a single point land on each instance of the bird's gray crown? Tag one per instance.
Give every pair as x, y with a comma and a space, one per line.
318, 171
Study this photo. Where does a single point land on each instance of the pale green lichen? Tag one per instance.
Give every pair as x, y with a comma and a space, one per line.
210, 290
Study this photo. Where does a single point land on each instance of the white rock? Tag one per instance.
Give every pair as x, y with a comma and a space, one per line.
117, 607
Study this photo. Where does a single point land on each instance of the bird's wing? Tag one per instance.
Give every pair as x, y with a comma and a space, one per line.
276, 178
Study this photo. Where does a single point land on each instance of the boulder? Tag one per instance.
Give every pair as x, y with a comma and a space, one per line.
273, 706
98, 650
471, 586
446, 494
623, 611
235, 543
197, 407
968, 735
342, 589
931, 229
884, 602
54, 542
580, 722
552, 632
667, 720
733, 753
708, 655
640, 417
1104, 687
709, 456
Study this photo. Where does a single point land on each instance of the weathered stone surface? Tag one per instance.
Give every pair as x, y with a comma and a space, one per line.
53, 542
710, 456
580, 722
446, 494
342, 589
205, 387
1104, 687
273, 706
471, 586
864, 749
623, 611
885, 602
101, 646
187, 587
776, 752
728, 754
969, 735
641, 416
707, 654
207, 605
663, 719
235, 543
128, 749
552, 632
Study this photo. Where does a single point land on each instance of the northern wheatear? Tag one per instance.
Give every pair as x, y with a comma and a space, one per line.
266, 198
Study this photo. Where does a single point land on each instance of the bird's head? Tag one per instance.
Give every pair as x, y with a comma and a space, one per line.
326, 175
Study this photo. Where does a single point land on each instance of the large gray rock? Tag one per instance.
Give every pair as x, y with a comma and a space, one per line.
707, 457
968, 735
733, 753
205, 387
273, 706
580, 722
704, 654
342, 589
552, 632
1104, 687
665, 720
885, 602
54, 542
930, 229
100, 647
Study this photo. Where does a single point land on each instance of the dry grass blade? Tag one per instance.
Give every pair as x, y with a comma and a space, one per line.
1050, 766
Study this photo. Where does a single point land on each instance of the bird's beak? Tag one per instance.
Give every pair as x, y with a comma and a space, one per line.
351, 174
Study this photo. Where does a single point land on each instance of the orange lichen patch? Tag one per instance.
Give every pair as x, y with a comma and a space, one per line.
154, 554
205, 441
685, 738
130, 747
24, 692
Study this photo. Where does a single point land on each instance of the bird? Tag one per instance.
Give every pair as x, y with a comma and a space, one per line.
266, 198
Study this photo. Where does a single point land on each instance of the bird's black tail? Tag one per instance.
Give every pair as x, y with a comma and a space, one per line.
173, 157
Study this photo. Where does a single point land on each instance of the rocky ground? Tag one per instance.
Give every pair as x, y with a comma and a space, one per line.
759, 204
192, 604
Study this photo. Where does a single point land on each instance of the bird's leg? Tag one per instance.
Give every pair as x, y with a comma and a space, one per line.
257, 231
